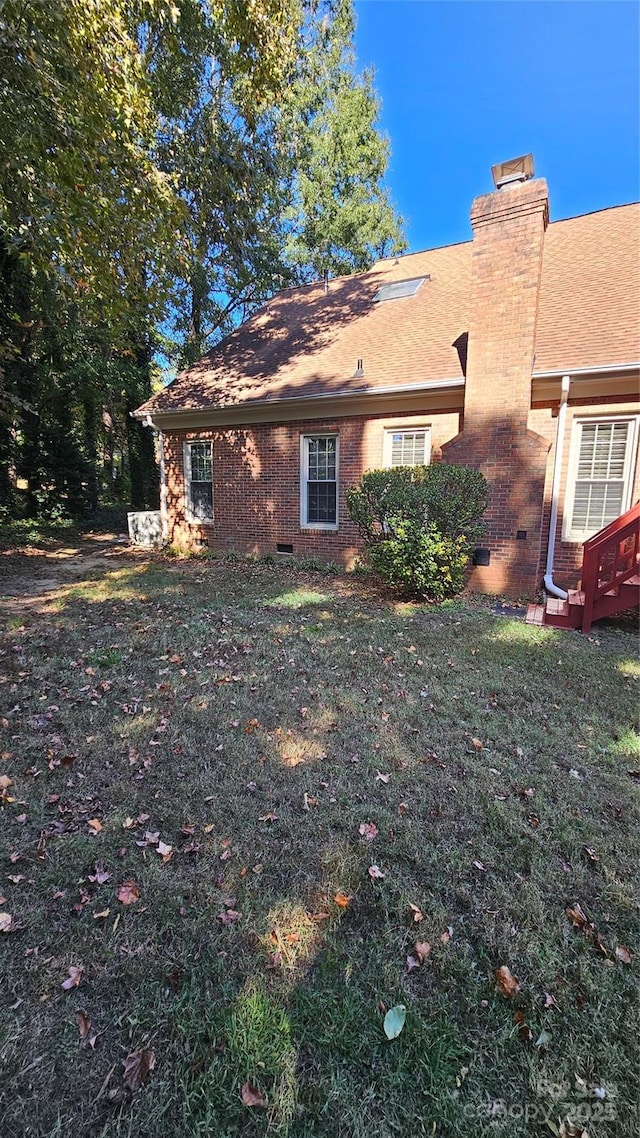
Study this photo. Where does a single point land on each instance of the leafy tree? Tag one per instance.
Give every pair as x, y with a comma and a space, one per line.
340, 218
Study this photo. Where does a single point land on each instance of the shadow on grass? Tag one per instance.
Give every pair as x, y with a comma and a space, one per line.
255, 722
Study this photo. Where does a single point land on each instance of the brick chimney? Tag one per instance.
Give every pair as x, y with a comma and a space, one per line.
506, 261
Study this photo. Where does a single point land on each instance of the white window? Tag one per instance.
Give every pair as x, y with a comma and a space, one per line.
407, 447
600, 475
198, 480
319, 481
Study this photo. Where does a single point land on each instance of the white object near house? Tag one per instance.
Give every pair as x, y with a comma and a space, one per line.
145, 528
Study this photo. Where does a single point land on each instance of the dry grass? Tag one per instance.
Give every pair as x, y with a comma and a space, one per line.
245, 715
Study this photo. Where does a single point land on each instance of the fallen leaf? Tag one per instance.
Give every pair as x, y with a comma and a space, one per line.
95, 825
271, 817
416, 913
394, 1021
577, 916
477, 744
342, 899
543, 1039
164, 850
6, 923
403, 807
623, 954
591, 854
550, 1001
128, 893
479, 865
229, 916
84, 1025
253, 1097
101, 916
137, 1066
100, 876
368, 830
73, 979
524, 1031
506, 982
446, 935
375, 873
422, 948
382, 777
412, 962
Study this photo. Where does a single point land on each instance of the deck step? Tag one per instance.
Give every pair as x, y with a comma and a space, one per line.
535, 615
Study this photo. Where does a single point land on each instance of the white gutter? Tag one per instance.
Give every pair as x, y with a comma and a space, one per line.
549, 585
609, 369
292, 400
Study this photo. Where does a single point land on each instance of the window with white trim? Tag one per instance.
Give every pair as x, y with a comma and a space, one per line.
198, 479
411, 447
319, 481
600, 474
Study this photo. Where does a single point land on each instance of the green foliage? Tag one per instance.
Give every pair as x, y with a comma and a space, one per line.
340, 217
164, 167
419, 523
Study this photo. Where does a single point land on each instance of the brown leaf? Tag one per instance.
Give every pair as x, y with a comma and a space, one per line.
229, 916
128, 892
577, 916
73, 979
137, 1066
342, 899
506, 982
95, 825
164, 850
591, 854
422, 948
271, 817
524, 1031
446, 936
251, 1096
477, 744
6, 923
101, 915
412, 963
375, 873
368, 831
382, 777
84, 1024
550, 1000
623, 954
416, 913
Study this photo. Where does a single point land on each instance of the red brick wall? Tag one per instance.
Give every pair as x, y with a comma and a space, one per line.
509, 227
256, 482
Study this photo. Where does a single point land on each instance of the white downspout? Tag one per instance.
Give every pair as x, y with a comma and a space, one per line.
164, 521
554, 590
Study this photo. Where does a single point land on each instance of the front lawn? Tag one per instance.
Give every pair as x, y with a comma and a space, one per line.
235, 799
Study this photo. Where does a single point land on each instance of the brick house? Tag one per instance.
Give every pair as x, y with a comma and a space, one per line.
516, 352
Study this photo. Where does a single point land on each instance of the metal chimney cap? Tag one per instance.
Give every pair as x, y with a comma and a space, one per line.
513, 170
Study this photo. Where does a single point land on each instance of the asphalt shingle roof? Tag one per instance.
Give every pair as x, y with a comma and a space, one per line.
306, 341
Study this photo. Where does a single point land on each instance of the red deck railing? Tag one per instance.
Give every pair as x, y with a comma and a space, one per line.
610, 558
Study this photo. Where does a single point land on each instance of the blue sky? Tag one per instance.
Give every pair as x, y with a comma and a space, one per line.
467, 84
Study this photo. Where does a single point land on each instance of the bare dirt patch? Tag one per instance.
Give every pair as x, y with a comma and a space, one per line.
33, 577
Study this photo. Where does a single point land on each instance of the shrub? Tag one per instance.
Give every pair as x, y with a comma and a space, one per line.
419, 523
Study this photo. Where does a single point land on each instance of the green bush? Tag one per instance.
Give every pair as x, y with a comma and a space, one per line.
419, 523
